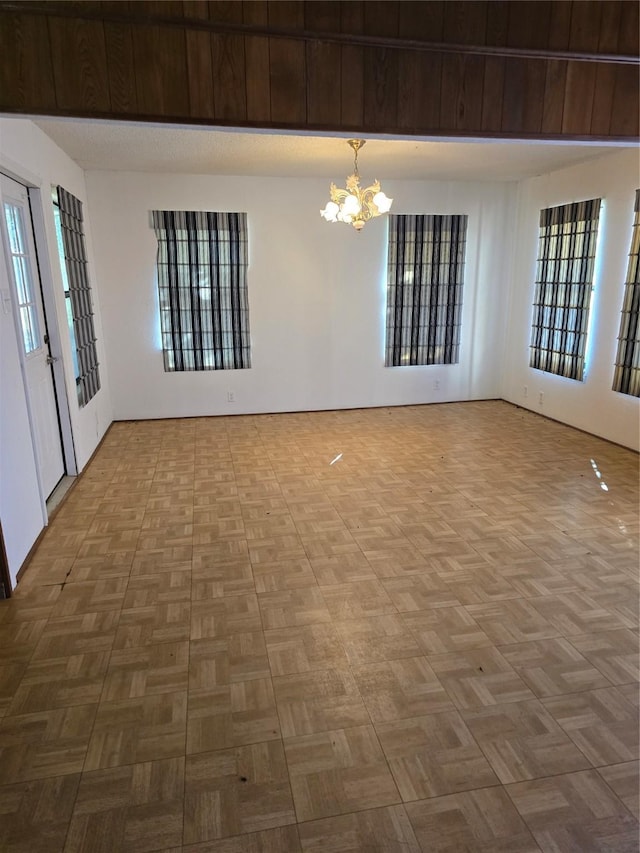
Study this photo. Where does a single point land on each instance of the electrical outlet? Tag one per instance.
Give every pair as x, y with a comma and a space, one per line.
231, 397
526, 391
436, 385
541, 398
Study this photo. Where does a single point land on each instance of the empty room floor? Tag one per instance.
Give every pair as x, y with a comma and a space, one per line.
400, 629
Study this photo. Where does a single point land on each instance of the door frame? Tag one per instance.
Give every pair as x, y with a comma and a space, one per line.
33, 186
36, 207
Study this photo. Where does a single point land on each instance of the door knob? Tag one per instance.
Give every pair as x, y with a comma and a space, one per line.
51, 359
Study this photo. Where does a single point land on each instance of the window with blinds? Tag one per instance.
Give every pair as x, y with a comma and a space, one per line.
77, 290
564, 281
626, 378
425, 277
202, 287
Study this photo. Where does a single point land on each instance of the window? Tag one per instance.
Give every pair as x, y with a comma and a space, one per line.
425, 275
626, 378
202, 286
77, 290
23, 277
564, 281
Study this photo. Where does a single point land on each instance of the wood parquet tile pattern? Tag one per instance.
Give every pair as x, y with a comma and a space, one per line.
230, 640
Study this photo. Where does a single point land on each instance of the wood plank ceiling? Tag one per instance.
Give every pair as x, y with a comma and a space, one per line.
555, 69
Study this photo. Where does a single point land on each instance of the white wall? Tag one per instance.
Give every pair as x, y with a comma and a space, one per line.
316, 296
590, 405
30, 156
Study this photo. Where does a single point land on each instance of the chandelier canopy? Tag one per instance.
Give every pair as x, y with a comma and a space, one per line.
354, 204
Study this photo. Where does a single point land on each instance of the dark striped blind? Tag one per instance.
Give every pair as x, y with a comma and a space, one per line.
564, 280
626, 378
425, 276
202, 285
75, 258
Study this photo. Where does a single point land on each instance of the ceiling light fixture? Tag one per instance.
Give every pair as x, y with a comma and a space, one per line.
356, 205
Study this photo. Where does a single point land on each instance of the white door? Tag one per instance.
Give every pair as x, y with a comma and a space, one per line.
32, 332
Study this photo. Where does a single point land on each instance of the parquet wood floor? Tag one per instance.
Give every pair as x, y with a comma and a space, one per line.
230, 640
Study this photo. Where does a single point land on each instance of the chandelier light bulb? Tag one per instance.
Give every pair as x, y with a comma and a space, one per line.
356, 205
330, 213
351, 205
382, 202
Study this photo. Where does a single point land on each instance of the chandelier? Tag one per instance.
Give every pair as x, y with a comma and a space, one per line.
356, 205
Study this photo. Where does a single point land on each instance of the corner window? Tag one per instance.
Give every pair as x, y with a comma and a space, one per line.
626, 378
564, 281
67, 211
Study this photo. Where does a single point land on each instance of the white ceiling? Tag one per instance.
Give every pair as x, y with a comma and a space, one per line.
194, 150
